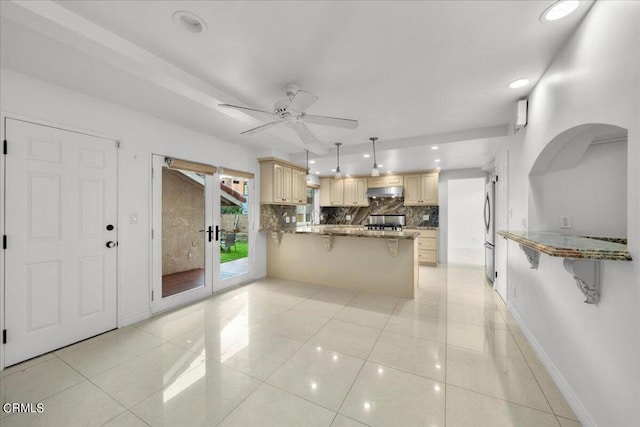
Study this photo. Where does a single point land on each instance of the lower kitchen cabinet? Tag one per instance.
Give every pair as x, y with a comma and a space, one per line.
428, 247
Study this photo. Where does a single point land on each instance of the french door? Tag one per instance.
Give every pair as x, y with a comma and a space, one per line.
185, 233
61, 227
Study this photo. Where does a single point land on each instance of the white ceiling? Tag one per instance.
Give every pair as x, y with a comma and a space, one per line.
413, 73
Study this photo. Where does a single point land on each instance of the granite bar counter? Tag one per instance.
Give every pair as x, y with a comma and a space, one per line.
582, 255
579, 247
347, 257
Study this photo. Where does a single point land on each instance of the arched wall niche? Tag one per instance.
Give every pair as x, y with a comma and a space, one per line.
581, 175
565, 150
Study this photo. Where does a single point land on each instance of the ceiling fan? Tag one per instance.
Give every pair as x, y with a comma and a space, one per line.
291, 112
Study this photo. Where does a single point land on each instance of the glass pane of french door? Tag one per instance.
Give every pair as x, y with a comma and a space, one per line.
183, 231
234, 229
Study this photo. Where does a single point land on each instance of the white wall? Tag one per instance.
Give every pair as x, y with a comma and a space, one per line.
465, 227
443, 203
593, 351
140, 135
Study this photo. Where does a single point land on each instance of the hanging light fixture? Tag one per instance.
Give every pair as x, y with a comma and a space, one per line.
374, 170
308, 172
338, 173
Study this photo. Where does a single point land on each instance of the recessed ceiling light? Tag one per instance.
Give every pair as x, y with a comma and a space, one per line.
559, 10
348, 176
437, 160
311, 162
379, 166
317, 173
389, 172
518, 83
434, 147
189, 21
333, 170
367, 156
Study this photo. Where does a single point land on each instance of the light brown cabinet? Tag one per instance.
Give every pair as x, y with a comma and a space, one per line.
282, 183
337, 192
428, 247
355, 192
325, 192
421, 189
385, 181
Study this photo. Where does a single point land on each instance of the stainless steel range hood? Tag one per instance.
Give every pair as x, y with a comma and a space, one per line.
384, 192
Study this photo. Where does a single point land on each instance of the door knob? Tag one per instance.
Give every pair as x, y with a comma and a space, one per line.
111, 244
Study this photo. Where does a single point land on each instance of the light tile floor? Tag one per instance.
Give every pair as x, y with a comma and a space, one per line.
281, 353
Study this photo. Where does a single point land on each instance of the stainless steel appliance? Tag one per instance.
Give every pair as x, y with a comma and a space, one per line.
385, 222
489, 238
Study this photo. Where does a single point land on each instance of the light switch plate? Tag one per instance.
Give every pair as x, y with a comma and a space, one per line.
293, 219
565, 221
425, 217
287, 219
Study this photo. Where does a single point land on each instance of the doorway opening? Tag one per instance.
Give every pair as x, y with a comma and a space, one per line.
466, 231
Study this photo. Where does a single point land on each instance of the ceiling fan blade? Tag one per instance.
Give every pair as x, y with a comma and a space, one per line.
252, 110
301, 101
260, 128
304, 133
330, 121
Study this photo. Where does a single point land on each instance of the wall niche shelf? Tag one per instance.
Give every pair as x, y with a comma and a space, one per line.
582, 255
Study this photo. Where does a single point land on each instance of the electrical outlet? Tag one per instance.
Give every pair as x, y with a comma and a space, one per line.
565, 221
425, 217
348, 217
287, 219
293, 219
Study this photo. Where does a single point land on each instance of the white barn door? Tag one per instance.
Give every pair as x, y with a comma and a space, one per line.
61, 227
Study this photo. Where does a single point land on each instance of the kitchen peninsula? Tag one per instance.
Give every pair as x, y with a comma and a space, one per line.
385, 262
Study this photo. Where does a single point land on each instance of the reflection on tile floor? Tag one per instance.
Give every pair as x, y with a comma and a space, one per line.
282, 353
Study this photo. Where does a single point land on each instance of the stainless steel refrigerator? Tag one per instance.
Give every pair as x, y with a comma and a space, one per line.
489, 236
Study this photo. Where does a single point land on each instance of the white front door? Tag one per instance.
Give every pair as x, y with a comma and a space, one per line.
60, 215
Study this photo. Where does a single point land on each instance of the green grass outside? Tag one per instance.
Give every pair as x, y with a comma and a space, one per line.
241, 250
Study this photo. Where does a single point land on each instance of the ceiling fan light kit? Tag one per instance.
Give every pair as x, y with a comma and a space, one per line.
291, 112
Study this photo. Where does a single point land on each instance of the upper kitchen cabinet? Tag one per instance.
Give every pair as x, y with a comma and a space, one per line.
282, 183
385, 181
325, 192
337, 192
355, 192
421, 189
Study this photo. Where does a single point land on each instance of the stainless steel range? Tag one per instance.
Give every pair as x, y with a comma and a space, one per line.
385, 222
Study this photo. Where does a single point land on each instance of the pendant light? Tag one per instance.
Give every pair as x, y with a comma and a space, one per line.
374, 170
308, 172
338, 173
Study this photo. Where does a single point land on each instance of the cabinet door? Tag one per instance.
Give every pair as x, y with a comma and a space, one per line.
278, 183
429, 184
287, 184
412, 191
337, 192
325, 192
376, 182
349, 192
393, 181
299, 192
361, 192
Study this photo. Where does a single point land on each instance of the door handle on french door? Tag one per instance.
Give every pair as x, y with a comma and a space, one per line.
217, 233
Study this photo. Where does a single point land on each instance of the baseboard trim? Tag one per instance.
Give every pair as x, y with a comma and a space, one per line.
567, 392
133, 319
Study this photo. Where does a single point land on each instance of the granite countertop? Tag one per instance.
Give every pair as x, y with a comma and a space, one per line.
350, 231
422, 227
559, 245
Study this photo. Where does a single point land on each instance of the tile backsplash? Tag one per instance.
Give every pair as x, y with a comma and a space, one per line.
385, 205
273, 217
